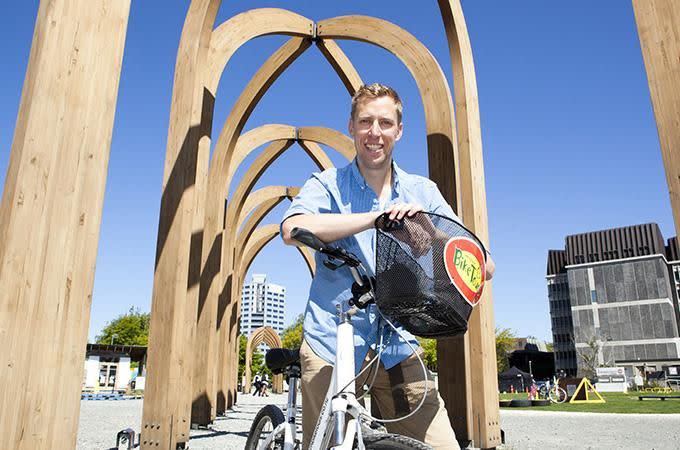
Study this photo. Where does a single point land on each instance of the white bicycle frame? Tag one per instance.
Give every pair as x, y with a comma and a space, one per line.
335, 407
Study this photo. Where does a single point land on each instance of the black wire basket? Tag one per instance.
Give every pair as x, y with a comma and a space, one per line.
430, 271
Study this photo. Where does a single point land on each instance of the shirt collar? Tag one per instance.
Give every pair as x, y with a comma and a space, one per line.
359, 178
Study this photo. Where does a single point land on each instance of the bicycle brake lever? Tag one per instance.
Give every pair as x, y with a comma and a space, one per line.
332, 265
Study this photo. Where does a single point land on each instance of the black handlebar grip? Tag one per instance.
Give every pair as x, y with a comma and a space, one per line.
308, 238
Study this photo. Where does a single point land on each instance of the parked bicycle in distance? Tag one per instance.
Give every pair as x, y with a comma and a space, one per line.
552, 391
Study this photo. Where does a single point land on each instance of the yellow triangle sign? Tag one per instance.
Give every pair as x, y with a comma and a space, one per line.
583, 393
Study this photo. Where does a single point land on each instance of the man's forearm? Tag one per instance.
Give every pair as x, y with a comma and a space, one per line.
329, 227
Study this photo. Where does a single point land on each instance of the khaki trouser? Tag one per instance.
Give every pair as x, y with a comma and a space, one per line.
395, 393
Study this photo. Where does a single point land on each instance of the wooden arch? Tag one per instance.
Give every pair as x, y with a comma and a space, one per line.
230, 312
211, 269
477, 416
269, 337
182, 211
431, 82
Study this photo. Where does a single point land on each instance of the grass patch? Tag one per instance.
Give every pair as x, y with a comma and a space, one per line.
616, 402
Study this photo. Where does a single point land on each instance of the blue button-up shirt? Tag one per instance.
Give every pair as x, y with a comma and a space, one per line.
345, 191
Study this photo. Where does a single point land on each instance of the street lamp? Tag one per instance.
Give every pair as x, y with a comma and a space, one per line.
114, 335
522, 380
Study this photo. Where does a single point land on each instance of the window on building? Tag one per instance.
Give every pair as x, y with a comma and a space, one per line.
593, 296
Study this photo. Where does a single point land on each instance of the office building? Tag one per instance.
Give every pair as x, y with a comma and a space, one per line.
614, 299
262, 304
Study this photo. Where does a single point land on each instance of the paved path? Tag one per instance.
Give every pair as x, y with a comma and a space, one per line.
101, 420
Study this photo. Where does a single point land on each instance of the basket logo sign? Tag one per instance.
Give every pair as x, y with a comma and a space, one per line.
465, 266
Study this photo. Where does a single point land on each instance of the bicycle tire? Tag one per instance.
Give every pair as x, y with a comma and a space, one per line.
389, 441
269, 415
557, 395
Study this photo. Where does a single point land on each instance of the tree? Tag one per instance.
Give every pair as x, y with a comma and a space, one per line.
505, 340
131, 328
291, 337
430, 348
590, 355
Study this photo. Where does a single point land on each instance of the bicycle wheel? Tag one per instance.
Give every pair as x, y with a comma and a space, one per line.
266, 420
388, 441
557, 395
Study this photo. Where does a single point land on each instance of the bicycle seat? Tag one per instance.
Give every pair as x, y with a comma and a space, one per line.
277, 359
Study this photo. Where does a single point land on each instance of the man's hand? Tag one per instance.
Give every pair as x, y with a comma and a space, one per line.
400, 210
418, 233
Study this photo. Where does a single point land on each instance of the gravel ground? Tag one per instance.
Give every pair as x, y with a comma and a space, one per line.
100, 421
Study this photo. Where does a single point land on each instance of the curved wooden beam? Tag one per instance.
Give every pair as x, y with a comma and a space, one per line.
341, 64
214, 215
431, 82
256, 199
233, 247
221, 246
167, 400
238, 199
251, 140
233, 33
257, 168
278, 62
221, 50
330, 137
269, 336
317, 154
477, 416
259, 203
258, 239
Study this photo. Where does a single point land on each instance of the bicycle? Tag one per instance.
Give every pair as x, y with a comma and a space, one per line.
429, 275
553, 391
272, 430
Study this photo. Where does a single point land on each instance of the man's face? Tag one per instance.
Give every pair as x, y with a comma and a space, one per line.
375, 128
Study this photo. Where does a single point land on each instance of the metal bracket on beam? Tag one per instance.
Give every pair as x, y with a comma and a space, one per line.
314, 33
296, 134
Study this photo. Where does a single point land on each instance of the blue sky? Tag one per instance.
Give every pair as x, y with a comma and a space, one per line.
570, 142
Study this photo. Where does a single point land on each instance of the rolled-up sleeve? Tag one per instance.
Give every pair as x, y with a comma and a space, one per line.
313, 198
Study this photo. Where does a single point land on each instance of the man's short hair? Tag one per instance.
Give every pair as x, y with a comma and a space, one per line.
376, 90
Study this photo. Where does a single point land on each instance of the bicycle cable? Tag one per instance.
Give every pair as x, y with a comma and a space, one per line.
368, 366
377, 358
376, 368
422, 364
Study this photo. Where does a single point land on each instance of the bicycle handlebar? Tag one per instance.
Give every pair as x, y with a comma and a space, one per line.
311, 240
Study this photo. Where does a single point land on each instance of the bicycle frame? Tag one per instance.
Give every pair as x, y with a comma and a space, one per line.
336, 404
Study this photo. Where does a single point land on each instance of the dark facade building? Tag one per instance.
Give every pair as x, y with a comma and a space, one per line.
532, 356
614, 293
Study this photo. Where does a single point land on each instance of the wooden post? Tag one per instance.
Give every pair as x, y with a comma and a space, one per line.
475, 409
658, 24
167, 397
50, 217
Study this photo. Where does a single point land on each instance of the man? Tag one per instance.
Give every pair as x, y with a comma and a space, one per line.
342, 205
